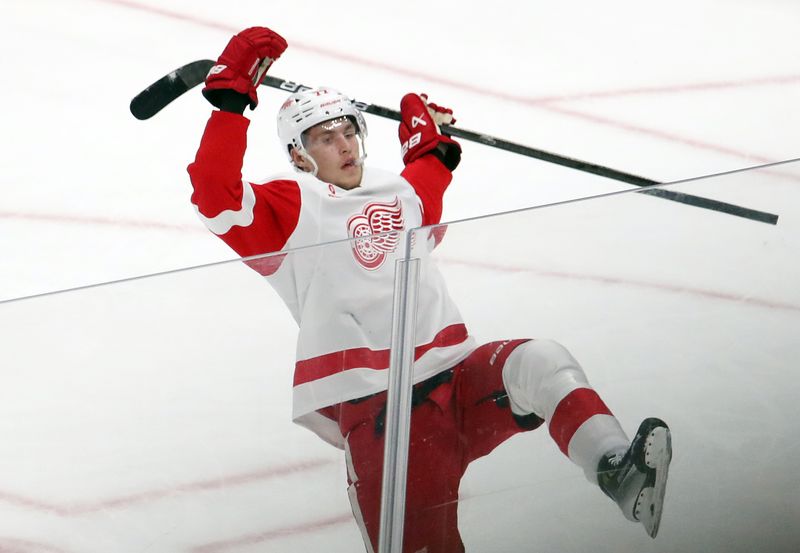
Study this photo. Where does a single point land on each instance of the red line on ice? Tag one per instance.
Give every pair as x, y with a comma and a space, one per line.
13, 545
104, 221
496, 267
541, 102
778, 80
269, 535
665, 136
124, 501
676, 288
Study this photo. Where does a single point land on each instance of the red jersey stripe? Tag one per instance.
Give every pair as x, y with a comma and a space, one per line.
315, 368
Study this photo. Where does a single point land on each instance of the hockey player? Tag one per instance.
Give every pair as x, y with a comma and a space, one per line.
467, 398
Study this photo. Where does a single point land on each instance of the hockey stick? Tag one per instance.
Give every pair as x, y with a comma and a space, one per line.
157, 96
161, 93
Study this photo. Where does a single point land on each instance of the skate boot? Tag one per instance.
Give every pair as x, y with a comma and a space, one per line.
636, 480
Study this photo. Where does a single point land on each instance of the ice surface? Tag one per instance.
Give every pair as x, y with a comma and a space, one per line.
153, 415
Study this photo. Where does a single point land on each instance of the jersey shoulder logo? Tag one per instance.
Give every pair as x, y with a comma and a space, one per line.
376, 230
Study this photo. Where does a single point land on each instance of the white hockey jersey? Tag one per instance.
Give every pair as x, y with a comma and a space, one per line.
337, 276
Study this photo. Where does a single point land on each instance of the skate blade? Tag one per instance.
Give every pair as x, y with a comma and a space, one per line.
650, 503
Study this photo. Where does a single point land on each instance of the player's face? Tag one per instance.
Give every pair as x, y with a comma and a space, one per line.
334, 146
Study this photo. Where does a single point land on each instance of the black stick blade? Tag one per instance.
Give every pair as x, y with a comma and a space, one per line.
158, 95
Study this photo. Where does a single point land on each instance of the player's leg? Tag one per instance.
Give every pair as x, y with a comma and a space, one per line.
484, 410
434, 472
543, 378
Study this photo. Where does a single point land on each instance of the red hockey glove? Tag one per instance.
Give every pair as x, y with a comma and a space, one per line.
243, 64
419, 131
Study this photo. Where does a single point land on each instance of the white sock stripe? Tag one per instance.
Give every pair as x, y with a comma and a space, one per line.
594, 438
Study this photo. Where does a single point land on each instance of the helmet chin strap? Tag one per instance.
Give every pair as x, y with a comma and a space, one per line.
363, 156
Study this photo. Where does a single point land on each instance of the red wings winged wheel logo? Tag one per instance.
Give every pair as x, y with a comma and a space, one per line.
371, 247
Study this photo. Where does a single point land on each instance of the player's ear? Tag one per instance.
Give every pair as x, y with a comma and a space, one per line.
300, 161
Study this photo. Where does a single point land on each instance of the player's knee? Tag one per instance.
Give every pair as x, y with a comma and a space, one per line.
546, 357
549, 349
562, 370
537, 373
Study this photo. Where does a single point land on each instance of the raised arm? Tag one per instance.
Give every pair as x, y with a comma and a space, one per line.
429, 156
251, 218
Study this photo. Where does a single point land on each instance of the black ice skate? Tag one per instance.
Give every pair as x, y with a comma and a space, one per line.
636, 480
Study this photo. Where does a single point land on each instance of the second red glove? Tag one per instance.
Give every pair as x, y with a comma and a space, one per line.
419, 132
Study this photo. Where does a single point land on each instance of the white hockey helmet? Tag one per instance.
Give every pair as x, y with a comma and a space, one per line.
302, 110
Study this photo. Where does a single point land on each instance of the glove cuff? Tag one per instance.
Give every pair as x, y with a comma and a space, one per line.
226, 99
448, 151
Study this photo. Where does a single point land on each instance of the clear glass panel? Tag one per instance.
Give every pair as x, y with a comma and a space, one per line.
156, 414
673, 311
